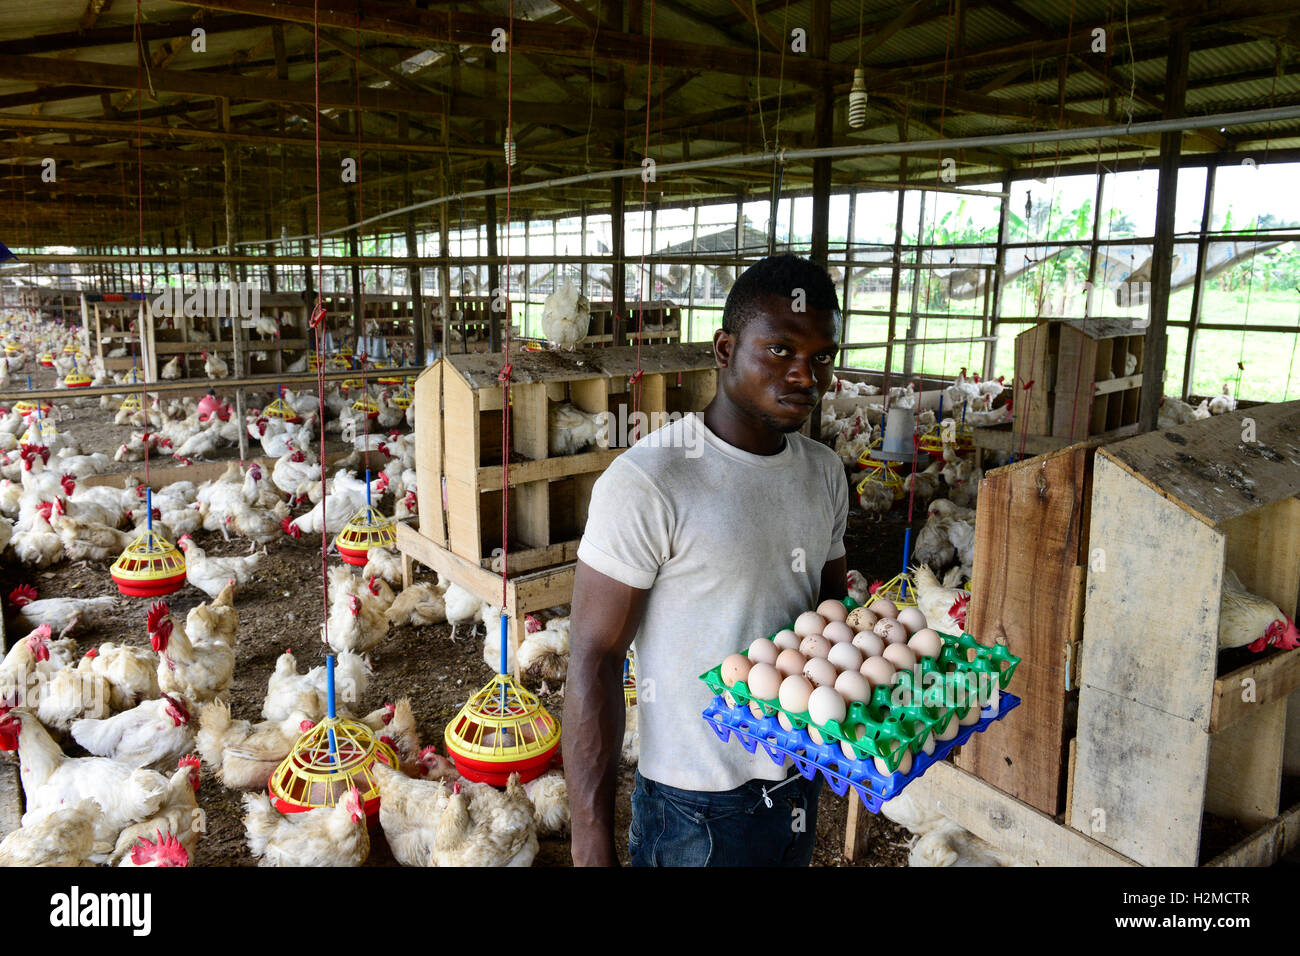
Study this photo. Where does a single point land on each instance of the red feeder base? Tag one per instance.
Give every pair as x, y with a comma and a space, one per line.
48, 364
356, 556
80, 385
371, 807
498, 774
154, 588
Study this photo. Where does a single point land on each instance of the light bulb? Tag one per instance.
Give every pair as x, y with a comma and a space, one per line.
858, 100
511, 153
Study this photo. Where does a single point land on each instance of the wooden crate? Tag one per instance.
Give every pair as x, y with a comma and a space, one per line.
1164, 736
1079, 386
458, 452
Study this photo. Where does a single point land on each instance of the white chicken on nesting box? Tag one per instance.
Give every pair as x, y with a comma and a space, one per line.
566, 316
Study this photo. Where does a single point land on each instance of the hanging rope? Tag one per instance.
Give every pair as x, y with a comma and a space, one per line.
318, 323
634, 382
139, 165
506, 368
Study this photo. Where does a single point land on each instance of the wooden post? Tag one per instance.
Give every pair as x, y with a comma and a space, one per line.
309, 281
444, 278
236, 327
1157, 339
354, 246
824, 123
1202, 247
999, 265
494, 270
271, 277
618, 271
914, 318
896, 272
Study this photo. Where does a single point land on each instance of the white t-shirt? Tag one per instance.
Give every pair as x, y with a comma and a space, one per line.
731, 547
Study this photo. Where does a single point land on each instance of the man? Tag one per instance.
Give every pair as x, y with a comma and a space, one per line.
710, 532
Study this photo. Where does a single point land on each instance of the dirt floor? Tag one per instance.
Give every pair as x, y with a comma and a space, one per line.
281, 609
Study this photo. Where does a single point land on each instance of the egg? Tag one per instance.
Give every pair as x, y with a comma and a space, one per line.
764, 681
853, 686
763, 651
926, 642
856, 732
901, 656
832, 610
892, 631
814, 645
824, 704
878, 671
786, 640
904, 765
809, 622
845, 657
735, 667
820, 671
972, 715
837, 632
885, 608
949, 732
756, 710
790, 662
794, 694
862, 619
912, 619
870, 644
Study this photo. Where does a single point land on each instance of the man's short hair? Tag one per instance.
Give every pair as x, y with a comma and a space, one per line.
787, 276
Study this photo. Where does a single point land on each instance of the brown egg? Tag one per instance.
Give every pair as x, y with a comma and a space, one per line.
926, 642
878, 670
885, 608
763, 651
786, 640
912, 619
869, 643
820, 672
892, 631
857, 733
949, 732
845, 657
853, 686
901, 656
862, 619
904, 765
790, 662
814, 645
809, 622
837, 632
734, 668
832, 610
764, 681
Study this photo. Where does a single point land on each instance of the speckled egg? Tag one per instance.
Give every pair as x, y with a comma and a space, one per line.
735, 667
892, 631
814, 645
862, 619
819, 671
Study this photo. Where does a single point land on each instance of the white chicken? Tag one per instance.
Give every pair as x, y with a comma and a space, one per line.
172, 369
328, 836
154, 734
944, 608
357, 620
1223, 403
420, 605
572, 430
566, 316
288, 692
131, 672
197, 671
72, 693
65, 837
214, 365
67, 616
179, 816
243, 753
485, 827
210, 575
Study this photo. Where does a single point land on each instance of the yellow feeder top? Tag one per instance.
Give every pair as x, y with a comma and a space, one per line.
367, 529
311, 777
898, 589
502, 728
403, 397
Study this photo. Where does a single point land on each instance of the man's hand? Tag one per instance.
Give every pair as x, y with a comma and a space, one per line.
603, 622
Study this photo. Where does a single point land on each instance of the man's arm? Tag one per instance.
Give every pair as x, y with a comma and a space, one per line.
603, 622
835, 580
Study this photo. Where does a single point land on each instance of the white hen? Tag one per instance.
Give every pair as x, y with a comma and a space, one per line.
566, 316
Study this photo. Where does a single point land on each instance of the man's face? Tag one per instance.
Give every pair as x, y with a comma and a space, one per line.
779, 365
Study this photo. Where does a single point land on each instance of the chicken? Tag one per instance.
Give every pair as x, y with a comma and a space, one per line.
566, 316
484, 827
242, 753
357, 620
154, 734
288, 691
210, 575
166, 850
383, 564
926, 482
549, 795
328, 836
948, 844
544, 653
397, 728
859, 587
932, 544
172, 369
52, 781
216, 620
131, 672
944, 608
63, 838
25, 667
40, 546
875, 499
460, 606
88, 540
294, 473
572, 430
1223, 403
1251, 621
198, 671
420, 605
178, 815
67, 616
409, 811
214, 365
70, 694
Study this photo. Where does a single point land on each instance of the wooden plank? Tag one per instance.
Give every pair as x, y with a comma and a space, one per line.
530, 421
1069, 780
1011, 826
464, 528
1106, 386
543, 589
531, 515
1076, 357
1005, 439
560, 466
1271, 679
480, 582
531, 559
1027, 533
1265, 846
1245, 774
1263, 548
460, 433
428, 454
1033, 408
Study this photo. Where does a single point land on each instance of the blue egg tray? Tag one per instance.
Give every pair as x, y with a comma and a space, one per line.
873, 787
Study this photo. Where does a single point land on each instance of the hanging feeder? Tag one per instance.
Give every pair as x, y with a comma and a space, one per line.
150, 566
898, 589
327, 761
24, 407
503, 729
71, 350
11, 349
367, 406
367, 529
39, 432
77, 379
882, 473
129, 404
47, 359
279, 408
403, 397
629, 679
391, 379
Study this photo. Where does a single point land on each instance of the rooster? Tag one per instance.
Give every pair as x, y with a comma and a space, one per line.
327, 836
153, 734
198, 671
1248, 620
357, 620
167, 850
179, 814
944, 608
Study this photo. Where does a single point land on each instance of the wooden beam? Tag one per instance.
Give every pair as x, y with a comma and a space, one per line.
112, 36
774, 39
1202, 245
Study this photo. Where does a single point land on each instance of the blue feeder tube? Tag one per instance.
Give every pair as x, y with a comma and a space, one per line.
367, 487
503, 668
148, 508
329, 690
907, 549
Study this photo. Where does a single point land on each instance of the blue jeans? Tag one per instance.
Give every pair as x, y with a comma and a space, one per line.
672, 827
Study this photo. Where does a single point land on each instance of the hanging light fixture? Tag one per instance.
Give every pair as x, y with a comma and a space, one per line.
512, 156
858, 100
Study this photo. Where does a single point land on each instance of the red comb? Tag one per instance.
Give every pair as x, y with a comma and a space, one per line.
22, 595
455, 788
373, 585
157, 613
92, 653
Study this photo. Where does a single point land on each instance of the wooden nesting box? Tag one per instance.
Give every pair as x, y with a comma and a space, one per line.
1081, 383
459, 450
1168, 728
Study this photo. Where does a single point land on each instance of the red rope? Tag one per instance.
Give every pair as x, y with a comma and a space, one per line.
318, 321
139, 166
634, 382
507, 368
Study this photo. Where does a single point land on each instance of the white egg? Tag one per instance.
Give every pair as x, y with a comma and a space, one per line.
949, 732
904, 765
912, 619
814, 645
846, 657
884, 608
824, 704
786, 640
819, 671
878, 671
892, 631
794, 694
735, 668
862, 619
790, 662
869, 643
837, 632
853, 686
832, 610
856, 732
972, 715
784, 721
764, 681
809, 622
763, 651
901, 656
926, 642
756, 710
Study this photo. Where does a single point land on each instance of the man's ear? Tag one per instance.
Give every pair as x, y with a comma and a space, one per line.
723, 343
